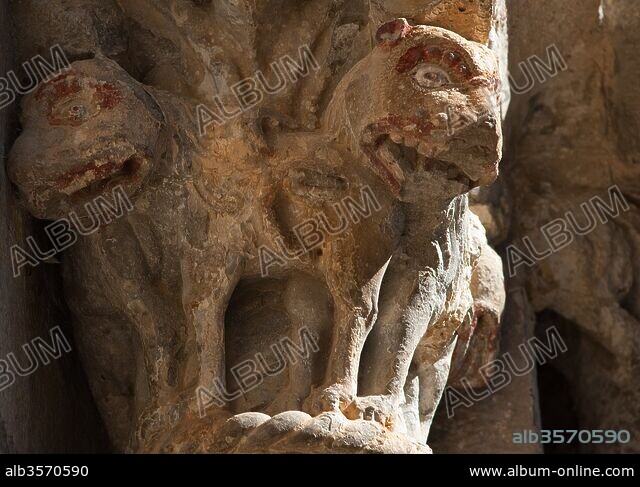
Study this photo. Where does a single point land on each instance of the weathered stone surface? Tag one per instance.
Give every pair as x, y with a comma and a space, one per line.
49, 410
154, 293
478, 340
470, 18
488, 424
572, 141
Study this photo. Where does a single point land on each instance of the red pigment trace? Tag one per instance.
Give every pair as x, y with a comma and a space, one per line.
382, 170
384, 126
409, 59
415, 55
58, 87
107, 95
397, 29
423, 127
100, 172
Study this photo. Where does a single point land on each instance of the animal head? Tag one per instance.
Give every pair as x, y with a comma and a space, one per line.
85, 131
402, 107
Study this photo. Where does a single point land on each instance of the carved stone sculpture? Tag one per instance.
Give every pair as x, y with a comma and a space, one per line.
169, 298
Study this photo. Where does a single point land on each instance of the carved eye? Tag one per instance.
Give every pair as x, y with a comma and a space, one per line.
77, 112
74, 111
429, 76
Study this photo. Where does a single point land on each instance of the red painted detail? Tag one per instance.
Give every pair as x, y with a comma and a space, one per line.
410, 59
423, 127
55, 92
385, 126
452, 60
390, 33
381, 169
432, 54
107, 95
463, 70
100, 172
58, 87
485, 83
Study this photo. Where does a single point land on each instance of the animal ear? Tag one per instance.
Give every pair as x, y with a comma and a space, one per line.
390, 33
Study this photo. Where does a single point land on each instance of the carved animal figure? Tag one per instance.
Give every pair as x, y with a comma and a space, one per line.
149, 292
391, 111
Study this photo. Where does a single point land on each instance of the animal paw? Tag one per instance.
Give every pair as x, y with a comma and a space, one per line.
325, 399
382, 409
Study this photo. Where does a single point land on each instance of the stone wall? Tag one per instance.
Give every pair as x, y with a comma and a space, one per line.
573, 138
49, 410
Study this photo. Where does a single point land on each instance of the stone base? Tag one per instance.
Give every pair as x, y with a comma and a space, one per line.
297, 432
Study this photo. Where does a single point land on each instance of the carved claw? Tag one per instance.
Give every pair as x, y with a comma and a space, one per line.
381, 409
325, 399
